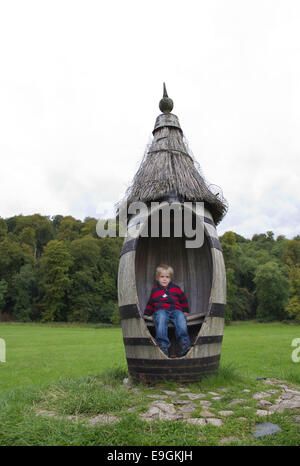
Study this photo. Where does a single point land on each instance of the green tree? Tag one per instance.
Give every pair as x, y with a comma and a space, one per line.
55, 263
12, 257
85, 252
110, 249
3, 228
115, 318
291, 254
248, 266
243, 305
27, 236
264, 242
270, 236
28, 242
271, 291
56, 221
85, 300
43, 228
24, 288
85, 295
228, 243
231, 292
3, 291
69, 229
231, 252
89, 227
259, 238
291, 258
107, 287
279, 247
107, 312
41, 225
293, 306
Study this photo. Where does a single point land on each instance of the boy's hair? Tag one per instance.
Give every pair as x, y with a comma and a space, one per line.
164, 268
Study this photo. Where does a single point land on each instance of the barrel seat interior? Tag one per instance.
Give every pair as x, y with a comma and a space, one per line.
192, 272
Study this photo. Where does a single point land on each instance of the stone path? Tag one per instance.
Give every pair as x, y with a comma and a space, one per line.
168, 411
202, 408
99, 419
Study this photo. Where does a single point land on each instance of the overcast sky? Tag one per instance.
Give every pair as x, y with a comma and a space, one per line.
80, 83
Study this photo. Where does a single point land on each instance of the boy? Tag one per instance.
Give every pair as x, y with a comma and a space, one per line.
167, 302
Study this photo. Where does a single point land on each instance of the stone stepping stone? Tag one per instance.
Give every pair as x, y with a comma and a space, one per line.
213, 393
205, 403
274, 382
158, 397
216, 398
193, 396
262, 412
181, 402
197, 420
225, 413
103, 419
169, 392
214, 421
187, 408
272, 391
267, 428
281, 405
99, 419
236, 401
261, 395
289, 395
126, 382
264, 403
206, 414
246, 390
288, 390
160, 411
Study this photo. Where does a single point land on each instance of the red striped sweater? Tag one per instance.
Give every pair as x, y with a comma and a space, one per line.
171, 297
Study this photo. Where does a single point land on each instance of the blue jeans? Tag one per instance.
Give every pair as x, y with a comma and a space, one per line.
161, 317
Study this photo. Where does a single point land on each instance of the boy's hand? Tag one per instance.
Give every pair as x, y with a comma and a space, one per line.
186, 313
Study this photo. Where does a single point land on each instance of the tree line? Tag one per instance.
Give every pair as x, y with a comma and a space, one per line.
58, 269
263, 277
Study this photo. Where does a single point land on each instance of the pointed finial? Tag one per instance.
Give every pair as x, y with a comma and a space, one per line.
166, 104
165, 91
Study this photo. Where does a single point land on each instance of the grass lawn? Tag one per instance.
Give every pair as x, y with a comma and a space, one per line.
38, 354
77, 371
261, 350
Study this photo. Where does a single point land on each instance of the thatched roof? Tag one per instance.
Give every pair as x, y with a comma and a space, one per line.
168, 169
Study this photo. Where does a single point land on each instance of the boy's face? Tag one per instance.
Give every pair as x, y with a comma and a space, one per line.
164, 278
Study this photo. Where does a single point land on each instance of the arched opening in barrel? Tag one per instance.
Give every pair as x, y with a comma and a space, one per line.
192, 272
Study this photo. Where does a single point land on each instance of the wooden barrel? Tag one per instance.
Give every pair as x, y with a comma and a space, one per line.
200, 272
